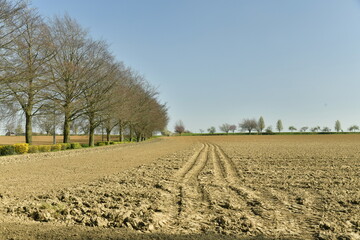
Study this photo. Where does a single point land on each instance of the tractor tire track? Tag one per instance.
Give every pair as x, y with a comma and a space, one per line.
265, 204
193, 197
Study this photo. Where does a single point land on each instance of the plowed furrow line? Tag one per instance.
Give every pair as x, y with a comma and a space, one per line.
219, 171
261, 201
228, 166
190, 163
193, 196
197, 166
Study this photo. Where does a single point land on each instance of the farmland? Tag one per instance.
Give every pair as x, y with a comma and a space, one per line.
293, 187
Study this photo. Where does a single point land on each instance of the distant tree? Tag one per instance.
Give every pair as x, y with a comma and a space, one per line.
292, 128
279, 125
45, 124
261, 124
354, 128
315, 129
337, 126
326, 129
19, 130
269, 130
304, 129
179, 127
225, 128
201, 131
211, 130
232, 128
248, 125
10, 127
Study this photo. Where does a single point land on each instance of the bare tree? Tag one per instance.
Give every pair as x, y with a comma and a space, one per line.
315, 129
45, 124
179, 127
70, 68
19, 130
225, 128
211, 130
269, 130
304, 129
10, 11
146, 114
248, 125
25, 69
10, 127
101, 80
326, 129
233, 128
354, 128
292, 128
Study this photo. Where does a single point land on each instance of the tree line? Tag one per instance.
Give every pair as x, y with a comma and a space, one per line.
251, 124
53, 71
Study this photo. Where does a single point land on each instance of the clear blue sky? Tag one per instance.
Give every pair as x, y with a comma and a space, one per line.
225, 60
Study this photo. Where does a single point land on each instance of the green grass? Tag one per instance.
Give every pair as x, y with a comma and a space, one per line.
264, 133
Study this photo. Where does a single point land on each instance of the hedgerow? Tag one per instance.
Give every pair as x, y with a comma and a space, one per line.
23, 148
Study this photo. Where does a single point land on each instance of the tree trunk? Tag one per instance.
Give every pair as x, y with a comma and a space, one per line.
108, 131
91, 131
91, 136
138, 137
67, 123
28, 127
130, 134
121, 131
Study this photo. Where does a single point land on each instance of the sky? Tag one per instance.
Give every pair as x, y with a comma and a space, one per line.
220, 61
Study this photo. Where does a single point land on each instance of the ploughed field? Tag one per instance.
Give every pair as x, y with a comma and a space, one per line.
299, 187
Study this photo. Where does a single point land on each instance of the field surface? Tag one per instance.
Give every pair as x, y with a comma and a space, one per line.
243, 187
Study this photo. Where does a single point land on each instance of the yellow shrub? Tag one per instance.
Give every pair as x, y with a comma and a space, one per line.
21, 148
33, 149
56, 147
44, 148
65, 146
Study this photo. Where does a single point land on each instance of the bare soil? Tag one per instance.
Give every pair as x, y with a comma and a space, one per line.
228, 187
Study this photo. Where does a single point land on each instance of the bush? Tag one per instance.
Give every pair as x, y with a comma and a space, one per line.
65, 146
75, 145
111, 143
56, 147
84, 145
7, 150
33, 149
100, 144
21, 148
44, 148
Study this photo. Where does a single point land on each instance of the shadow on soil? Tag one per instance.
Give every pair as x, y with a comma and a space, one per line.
53, 232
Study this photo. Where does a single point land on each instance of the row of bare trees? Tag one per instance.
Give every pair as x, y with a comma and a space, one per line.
252, 124
54, 69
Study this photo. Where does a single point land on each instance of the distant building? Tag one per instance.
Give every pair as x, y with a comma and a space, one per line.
157, 133
10, 134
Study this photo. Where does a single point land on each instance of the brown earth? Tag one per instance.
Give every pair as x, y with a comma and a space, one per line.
279, 187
